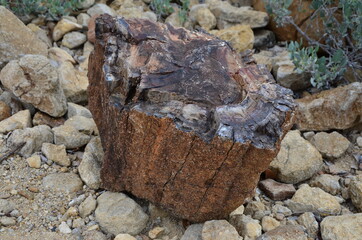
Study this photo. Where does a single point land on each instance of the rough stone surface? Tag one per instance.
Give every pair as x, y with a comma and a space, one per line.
34, 80
41, 118
64, 26
78, 110
359, 142
83, 124
63, 182
308, 221
263, 38
19, 120
70, 137
343, 103
240, 37
355, 191
59, 55
202, 181
73, 39
16, 39
117, 213
228, 15
87, 206
275, 190
297, 159
83, 19
90, 166
124, 237
99, 9
32, 137
56, 153
6, 206
85, 4
219, 229
342, 227
247, 227
193, 232
327, 182
5, 111
287, 232
269, 223
324, 203
330, 145
40, 33
34, 161
201, 15
288, 77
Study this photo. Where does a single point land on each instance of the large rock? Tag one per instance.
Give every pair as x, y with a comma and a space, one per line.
323, 203
90, 167
175, 123
117, 213
34, 80
298, 160
343, 103
32, 137
342, 227
330, 145
19, 120
228, 15
241, 37
219, 229
16, 39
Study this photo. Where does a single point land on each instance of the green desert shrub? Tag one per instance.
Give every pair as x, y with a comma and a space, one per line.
340, 45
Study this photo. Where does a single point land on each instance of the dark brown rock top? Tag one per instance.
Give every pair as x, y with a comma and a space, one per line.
185, 121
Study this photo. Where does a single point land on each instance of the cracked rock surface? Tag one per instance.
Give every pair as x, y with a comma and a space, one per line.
185, 122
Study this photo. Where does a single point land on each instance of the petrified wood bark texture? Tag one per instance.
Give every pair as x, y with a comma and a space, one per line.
184, 121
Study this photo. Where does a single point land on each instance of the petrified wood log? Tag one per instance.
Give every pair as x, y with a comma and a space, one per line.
184, 122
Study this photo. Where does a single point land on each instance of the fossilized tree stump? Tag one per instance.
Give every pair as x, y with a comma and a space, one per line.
184, 121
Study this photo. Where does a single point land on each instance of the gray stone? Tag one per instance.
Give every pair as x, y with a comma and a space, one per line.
7, 221
78, 110
83, 124
99, 9
288, 77
324, 203
287, 232
219, 229
297, 160
56, 153
19, 120
16, 39
193, 232
246, 226
277, 208
73, 39
34, 80
327, 182
83, 19
342, 227
32, 137
331, 145
70, 137
84, 4
123, 236
6, 206
64, 228
63, 182
308, 221
40, 33
87, 206
117, 213
269, 223
264, 38
359, 142
94, 235
355, 191
90, 167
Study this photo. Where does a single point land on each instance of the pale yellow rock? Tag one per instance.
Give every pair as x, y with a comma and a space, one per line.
64, 26
123, 236
201, 15
19, 120
323, 202
241, 37
355, 191
59, 55
34, 161
40, 33
156, 232
342, 227
269, 223
56, 153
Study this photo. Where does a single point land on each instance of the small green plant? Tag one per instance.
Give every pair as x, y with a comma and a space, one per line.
341, 41
185, 7
162, 8
48, 8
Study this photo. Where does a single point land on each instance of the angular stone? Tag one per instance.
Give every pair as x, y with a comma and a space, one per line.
34, 80
16, 39
355, 191
342, 227
90, 166
78, 110
343, 103
70, 137
63, 182
34, 161
240, 37
228, 15
56, 153
324, 203
64, 26
82, 124
193, 164
41, 118
201, 15
219, 229
19, 120
287, 232
330, 145
275, 190
59, 55
83, 19
288, 77
193, 232
117, 213
269, 223
32, 137
298, 160
41, 34
328, 183
308, 221
73, 39
247, 227
87, 206
5, 111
